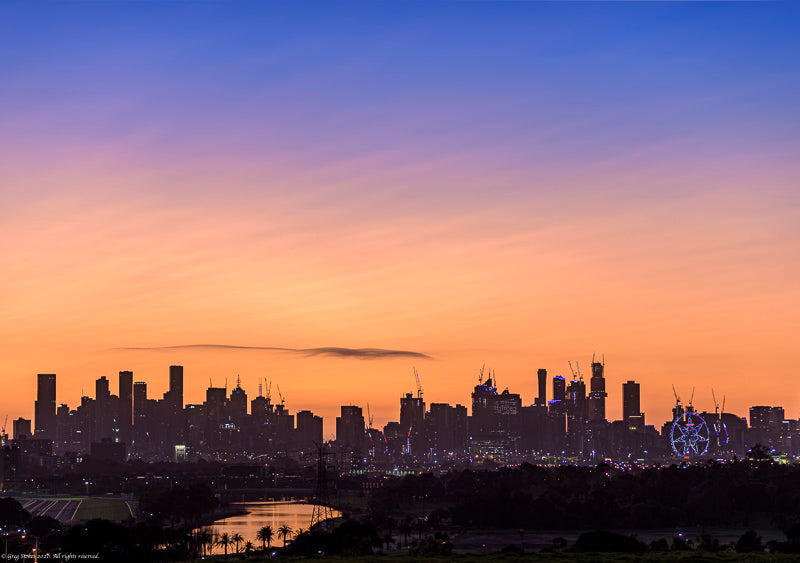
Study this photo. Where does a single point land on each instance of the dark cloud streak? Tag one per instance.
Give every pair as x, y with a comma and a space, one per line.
360, 353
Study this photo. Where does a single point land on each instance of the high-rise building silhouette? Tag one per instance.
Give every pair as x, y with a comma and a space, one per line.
176, 387
126, 406
541, 400
309, 431
630, 401
139, 416
45, 406
237, 403
103, 416
412, 419
597, 396
350, 429
447, 430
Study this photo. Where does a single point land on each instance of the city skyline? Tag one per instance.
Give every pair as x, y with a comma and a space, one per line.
511, 184
586, 394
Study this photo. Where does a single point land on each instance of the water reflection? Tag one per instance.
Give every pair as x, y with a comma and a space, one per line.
296, 515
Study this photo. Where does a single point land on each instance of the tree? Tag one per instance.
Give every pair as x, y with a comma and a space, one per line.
204, 538
236, 539
265, 535
248, 547
749, 541
224, 541
284, 531
210, 541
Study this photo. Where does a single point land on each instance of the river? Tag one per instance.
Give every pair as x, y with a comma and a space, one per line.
296, 515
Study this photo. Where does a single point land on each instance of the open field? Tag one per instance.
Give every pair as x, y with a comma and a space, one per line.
114, 509
80, 508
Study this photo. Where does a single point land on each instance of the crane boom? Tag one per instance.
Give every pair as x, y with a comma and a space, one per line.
419, 386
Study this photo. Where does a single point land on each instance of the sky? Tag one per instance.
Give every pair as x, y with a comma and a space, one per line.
508, 184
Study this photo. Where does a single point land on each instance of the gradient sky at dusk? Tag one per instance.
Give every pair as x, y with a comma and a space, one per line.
511, 183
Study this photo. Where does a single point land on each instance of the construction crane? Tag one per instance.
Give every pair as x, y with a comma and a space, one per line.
369, 432
678, 409
268, 395
716, 404
419, 386
280, 395
4, 426
480, 376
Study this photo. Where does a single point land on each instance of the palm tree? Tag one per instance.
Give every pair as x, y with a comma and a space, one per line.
237, 539
203, 539
284, 531
248, 547
210, 540
265, 536
224, 540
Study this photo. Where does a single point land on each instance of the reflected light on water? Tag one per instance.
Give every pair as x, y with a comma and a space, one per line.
296, 515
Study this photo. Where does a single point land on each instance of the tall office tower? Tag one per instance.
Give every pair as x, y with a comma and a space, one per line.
237, 403
309, 431
542, 398
597, 396
139, 402
176, 387
412, 419
350, 429
577, 411
103, 414
630, 401
557, 412
447, 429
140, 416
559, 388
126, 406
493, 427
45, 406
261, 409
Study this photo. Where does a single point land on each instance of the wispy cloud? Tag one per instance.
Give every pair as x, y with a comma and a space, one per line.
361, 353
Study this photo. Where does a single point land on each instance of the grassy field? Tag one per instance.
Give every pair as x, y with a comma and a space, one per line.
113, 509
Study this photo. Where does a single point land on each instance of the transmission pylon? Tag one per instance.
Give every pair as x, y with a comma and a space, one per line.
322, 502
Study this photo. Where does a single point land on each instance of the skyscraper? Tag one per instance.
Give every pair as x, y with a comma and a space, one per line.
350, 429
412, 417
597, 396
125, 405
176, 387
542, 398
45, 406
630, 401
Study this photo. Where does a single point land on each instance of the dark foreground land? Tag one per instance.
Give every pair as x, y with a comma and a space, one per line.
743, 511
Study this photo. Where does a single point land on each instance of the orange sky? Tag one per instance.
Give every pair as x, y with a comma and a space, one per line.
509, 184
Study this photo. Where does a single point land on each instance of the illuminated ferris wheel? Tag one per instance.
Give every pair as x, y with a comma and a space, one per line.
689, 436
